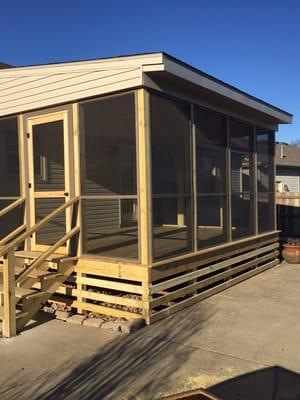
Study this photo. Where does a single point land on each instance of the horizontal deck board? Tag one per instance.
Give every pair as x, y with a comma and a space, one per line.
209, 281
206, 270
101, 283
105, 310
209, 292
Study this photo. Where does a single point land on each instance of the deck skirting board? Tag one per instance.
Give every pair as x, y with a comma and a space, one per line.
154, 292
209, 292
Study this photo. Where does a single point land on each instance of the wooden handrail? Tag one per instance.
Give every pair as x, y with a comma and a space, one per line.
12, 206
37, 226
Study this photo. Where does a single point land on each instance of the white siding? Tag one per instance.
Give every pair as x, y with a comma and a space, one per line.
28, 88
289, 177
29, 93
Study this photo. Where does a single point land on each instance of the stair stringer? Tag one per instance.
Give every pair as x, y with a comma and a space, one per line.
31, 307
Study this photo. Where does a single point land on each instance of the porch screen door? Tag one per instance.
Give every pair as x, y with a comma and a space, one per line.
49, 175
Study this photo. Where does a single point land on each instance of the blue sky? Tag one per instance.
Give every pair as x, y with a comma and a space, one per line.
254, 45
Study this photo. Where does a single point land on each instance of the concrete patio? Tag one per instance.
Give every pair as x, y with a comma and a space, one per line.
241, 344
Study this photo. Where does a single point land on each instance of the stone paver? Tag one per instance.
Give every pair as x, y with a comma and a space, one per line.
76, 319
114, 326
93, 322
62, 315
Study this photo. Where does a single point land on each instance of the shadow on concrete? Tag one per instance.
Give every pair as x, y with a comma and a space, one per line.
39, 319
273, 383
129, 367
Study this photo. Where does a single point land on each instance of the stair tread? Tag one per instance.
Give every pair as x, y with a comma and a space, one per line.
36, 273
21, 292
35, 254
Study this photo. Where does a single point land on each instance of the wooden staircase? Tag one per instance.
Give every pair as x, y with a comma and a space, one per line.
28, 279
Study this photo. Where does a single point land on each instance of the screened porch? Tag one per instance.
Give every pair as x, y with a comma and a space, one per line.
208, 178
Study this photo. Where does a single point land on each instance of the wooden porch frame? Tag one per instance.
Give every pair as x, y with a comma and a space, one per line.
139, 276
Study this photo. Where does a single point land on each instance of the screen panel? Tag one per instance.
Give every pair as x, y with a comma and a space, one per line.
171, 177
110, 228
110, 146
9, 157
48, 156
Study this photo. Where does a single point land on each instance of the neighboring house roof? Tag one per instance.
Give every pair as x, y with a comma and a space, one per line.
46, 85
287, 155
4, 65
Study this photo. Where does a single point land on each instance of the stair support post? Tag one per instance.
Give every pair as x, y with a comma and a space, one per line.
9, 298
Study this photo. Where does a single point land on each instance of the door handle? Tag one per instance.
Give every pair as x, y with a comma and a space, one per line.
66, 194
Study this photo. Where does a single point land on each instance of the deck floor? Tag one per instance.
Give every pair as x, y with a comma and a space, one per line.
169, 241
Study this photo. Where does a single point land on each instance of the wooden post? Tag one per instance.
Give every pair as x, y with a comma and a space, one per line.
9, 321
194, 180
145, 200
228, 184
255, 194
79, 152
228, 169
144, 169
24, 174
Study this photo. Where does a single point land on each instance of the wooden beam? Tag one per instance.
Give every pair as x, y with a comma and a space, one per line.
101, 283
144, 184
117, 269
254, 175
144, 176
114, 312
79, 171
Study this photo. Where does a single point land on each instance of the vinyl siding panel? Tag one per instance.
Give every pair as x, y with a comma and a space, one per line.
57, 174
100, 216
55, 229
289, 177
26, 93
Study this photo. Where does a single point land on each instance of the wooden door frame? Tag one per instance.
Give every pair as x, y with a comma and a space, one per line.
65, 114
